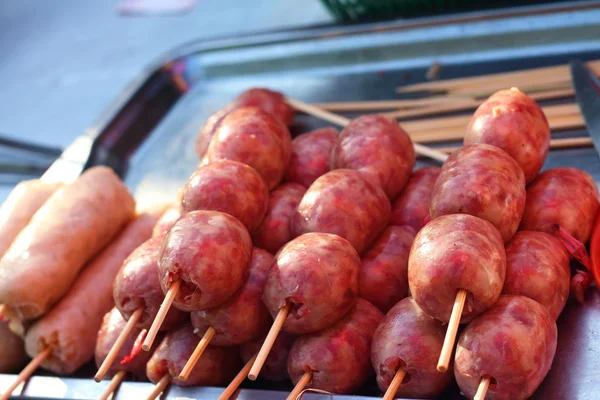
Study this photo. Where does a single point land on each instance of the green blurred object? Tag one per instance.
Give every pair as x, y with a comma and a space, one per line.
374, 10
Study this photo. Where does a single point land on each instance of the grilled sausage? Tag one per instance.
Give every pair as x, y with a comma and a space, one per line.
311, 154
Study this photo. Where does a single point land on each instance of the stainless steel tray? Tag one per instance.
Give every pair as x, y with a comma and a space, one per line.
147, 136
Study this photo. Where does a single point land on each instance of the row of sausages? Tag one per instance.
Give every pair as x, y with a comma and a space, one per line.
343, 214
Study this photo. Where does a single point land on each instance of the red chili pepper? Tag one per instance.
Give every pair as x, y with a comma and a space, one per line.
137, 347
595, 250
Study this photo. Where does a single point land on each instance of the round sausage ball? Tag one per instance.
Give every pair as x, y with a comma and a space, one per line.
344, 203
408, 338
230, 187
454, 252
253, 137
316, 276
567, 197
483, 181
243, 317
514, 122
379, 148
209, 252
337, 357
513, 343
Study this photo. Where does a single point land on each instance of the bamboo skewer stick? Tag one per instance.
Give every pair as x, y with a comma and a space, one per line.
342, 121
482, 389
390, 393
450, 338
375, 105
237, 381
118, 345
113, 385
159, 388
26, 372
198, 351
566, 143
300, 386
261, 357
512, 77
160, 316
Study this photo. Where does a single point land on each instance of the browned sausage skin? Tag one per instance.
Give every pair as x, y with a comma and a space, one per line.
454, 252
230, 187
383, 278
514, 122
513, 343
311, 156
483, 181
137, 286
112, 325
379, 148
408, 338
45, 247
412, 206
253, 137
209, 252
337, 357
275, 229
316, 275
342, 202
267, 100
70, 328
243, 317
217, 366
537, 266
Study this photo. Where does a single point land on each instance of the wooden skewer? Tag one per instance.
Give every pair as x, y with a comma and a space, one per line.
202, 344
482, 389
390, 393
159, 388
113, 385
450, 338
300, 386
26, 372
160, 316
376, 105
566, 143
237, 381
342, 121
118, 345
261, 357
549, 83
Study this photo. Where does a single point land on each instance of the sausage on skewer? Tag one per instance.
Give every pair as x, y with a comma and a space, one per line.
483, 181
242, 318
456, 271
12, 349
230, 187
217, 366
409, 342
65, 233
337, 358
508, 350
342, 202
65, 338
203, 262
380, 149
312, 283
267, 100
514, 122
